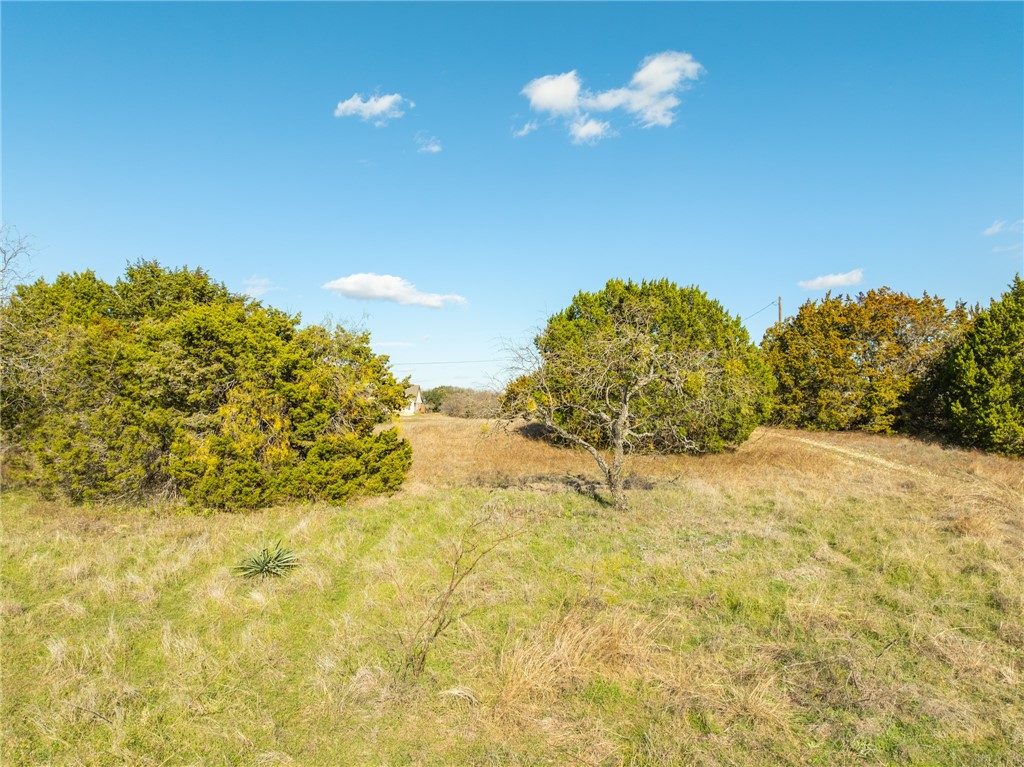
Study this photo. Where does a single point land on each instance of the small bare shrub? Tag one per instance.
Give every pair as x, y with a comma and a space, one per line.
446, 607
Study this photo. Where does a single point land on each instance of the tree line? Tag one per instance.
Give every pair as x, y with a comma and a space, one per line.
887, 362
652, 367
461, 402
166, 384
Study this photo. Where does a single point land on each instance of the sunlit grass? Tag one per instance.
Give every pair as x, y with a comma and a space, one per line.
789, 603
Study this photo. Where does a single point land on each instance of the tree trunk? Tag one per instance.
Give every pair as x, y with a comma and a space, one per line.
614, 473
616, 487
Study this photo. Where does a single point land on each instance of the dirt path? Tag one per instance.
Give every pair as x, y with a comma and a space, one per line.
862, 455
965, 483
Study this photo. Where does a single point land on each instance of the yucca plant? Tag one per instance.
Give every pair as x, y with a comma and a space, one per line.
268, 563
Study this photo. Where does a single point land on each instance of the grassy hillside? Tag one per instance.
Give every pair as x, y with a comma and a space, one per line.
809, 599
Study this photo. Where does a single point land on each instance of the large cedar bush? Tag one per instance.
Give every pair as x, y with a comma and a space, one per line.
983, 378
167, 384
853, 363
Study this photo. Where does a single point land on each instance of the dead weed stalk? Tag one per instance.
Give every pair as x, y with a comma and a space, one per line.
446, 607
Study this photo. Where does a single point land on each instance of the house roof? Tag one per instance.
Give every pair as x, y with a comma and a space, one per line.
412, 391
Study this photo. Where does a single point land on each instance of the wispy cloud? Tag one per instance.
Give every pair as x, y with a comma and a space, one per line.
392, 344
1006, 228
829, 281
428, 144
999, 227
257, 286
378, 109
650, 97
526, 130
387, 287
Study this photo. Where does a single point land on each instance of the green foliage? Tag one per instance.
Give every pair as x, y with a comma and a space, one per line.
433, 398
268, 563
336, 467
984, 378
693, 380
643, 368
168, 384
845, 363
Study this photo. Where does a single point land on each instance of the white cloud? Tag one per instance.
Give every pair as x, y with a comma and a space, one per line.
1006, 228
589, 131
386, 287
428, 144
650, 97
998, 227
257, 286
526, 130
379, 109
650, 93
663, 72
829, 281
557, 94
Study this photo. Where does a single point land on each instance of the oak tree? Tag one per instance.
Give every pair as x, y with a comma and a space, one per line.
642, 368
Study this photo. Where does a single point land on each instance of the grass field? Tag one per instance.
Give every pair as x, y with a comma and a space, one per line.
811, 599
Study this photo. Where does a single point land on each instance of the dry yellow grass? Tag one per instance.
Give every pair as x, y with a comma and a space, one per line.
806, 599
906, 497
982, 494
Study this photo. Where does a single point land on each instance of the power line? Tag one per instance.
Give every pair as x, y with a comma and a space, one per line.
767, 306
510, 359
452, 362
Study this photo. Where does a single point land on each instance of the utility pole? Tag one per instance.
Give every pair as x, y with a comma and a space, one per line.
780, 310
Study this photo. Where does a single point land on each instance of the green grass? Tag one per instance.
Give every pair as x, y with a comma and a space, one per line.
711, 624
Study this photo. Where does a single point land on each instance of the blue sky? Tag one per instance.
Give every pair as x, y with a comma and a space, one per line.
473, 166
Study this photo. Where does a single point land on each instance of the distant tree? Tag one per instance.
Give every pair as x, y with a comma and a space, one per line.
470, 403
433, 398
983, 378
845, 363
167, 384
459, 402
642, 368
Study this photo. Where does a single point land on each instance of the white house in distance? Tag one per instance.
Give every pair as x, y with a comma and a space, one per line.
413, 401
